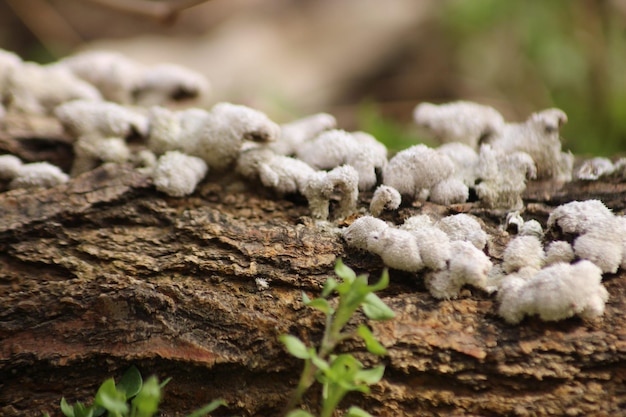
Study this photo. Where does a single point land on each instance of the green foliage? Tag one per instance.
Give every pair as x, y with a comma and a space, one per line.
538, 54
130, 397
343, 373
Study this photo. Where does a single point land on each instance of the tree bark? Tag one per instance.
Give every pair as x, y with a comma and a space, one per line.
105, 272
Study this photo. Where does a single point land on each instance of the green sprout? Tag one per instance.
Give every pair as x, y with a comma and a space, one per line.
130, 397
343, 373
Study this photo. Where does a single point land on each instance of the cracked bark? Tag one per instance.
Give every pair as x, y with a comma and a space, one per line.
105, 272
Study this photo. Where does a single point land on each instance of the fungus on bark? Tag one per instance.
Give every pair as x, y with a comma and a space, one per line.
554, 293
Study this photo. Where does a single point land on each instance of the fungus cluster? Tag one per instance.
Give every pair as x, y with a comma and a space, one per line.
334, 148
421, 173
561, 279
556, 292
450, 250
122, 80
516, 151
103, 100
32, 175
598, 235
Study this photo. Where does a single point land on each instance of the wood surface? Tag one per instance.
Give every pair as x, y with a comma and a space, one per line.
104, 272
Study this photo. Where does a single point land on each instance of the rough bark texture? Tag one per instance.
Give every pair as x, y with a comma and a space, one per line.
105, 272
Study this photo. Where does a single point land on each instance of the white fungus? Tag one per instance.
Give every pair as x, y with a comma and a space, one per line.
459, 121
532, 228
502, 178
523, 251
603, 247
100, 118
554, 293
100, 129
397, 248
38, 174
281, 173
125, 81
516, 224
113, 74
416, 171
90, 150
178, 174
356, 234
595, 168
434, 245
9, 166
538, 137
559, 251
449, 191
468, 265
293, 134
599, 235
465, 159
463, 227
321, 185
8, 63
215, 136
219, 139
333, 148
384, 198
579, 217
34, 89
168, 82
417, 221
172, 130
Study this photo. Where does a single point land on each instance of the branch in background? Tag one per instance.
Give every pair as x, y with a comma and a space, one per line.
164, 11
47, 25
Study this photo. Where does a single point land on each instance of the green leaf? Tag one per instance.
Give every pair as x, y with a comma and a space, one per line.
320, 363
370, 376
81, 411
329, 286
299, 413
321, 304
382, 283
294, 346
344, 272
375, 309
131, 382
372, 345
357, 412
110, 398
164, 383
206, 409
147, 400
66, 409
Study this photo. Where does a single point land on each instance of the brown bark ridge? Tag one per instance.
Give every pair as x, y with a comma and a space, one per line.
104, 272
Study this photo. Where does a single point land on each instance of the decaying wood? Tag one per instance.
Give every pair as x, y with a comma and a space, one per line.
105, 272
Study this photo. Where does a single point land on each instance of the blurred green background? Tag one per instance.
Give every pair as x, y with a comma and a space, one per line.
526, 55
370, 63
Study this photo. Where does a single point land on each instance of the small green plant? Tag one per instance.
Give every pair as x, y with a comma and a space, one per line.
339, 374
130, 397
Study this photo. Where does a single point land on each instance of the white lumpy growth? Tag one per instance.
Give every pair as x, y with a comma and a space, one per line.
554, 293
599, 235
178, 174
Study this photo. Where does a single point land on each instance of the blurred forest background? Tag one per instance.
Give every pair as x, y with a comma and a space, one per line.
365, 61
